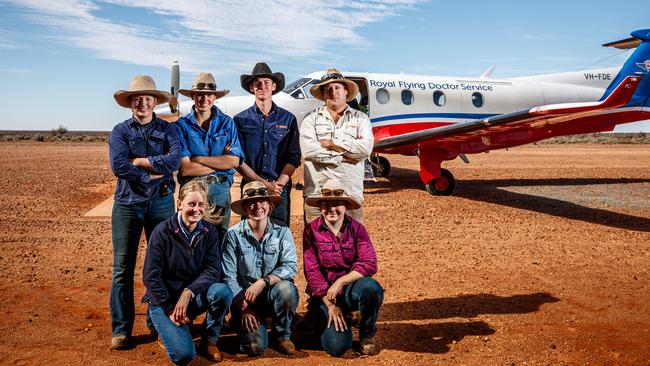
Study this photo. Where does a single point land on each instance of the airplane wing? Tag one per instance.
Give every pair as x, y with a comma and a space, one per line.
537, 117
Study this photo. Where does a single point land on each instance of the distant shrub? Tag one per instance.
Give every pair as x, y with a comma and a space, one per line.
59, 131
39, 137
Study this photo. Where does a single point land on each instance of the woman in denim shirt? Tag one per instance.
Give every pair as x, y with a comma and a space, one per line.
259, 264
339, 264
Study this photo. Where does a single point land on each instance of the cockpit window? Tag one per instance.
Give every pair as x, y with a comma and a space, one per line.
295, 85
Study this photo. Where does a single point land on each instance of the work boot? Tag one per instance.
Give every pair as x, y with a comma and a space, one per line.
211, 352
121, 342
286, 347
369, 347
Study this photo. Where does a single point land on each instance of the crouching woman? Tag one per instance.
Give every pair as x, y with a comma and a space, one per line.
181, 272
339, 264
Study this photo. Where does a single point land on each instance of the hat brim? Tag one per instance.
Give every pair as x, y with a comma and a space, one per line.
350, 203
188, 92
277, 77
238, 206
122, 96
353, 89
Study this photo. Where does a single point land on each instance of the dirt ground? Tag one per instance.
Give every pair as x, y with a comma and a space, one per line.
541, 257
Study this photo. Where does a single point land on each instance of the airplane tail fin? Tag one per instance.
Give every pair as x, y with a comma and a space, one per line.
638, 64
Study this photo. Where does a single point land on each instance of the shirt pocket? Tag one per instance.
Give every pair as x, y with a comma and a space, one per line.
156, 143
137, 148
323, 131
271, 253
328, 254
348, 252
218, 143
246, 261
351, 131
248, 130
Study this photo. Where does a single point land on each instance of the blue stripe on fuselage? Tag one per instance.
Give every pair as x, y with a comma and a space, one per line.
433, 115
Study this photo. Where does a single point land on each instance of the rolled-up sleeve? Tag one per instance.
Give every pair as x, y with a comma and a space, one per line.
118, 150
288, 258
317, 282
366, 263
169, 162
310, 145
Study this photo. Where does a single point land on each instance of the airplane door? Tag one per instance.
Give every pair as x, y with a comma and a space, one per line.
362, 101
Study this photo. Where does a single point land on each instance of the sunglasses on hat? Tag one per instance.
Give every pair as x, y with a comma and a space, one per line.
333, 76
206, 86
332, 192
256, 192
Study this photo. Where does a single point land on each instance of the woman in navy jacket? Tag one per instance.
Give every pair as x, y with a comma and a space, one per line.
181, 272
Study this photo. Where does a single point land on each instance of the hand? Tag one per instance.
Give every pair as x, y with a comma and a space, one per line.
335, 315
155, 176
333, 292
249, 321
326, 143
273, 187
140, 162
251, 292
179, 315
349, 160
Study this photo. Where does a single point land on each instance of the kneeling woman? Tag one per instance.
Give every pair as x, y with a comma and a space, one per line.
339, 264
181, 273
259, 264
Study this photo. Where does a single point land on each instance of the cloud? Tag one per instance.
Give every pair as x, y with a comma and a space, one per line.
204, 34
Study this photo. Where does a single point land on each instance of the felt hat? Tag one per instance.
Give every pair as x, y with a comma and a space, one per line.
334, 76
333, 190
254, 190
140, 85
262, 69
204, 84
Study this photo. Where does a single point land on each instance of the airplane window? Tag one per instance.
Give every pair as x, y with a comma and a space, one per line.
407, 97
298, 94
295, 85
382, 96
477, 99
439, 98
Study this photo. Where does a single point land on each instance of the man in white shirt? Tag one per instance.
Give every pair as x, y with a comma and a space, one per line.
335, 139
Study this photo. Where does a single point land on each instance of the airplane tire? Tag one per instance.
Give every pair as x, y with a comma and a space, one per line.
380, 166
442, 186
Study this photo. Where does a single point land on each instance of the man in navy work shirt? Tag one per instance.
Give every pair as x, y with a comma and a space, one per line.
144, 153
211, 147
269, 135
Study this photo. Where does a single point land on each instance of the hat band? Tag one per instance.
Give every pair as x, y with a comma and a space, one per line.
332, 76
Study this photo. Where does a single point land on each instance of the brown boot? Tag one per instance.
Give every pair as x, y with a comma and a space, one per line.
121, 342
211, 352
286, 347
369, 347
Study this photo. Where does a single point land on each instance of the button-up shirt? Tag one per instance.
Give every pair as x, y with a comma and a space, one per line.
269, 143
245, 259
328, 257
222, 132
158, 142
353, 132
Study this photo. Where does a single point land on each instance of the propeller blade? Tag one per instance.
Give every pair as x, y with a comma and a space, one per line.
176, 82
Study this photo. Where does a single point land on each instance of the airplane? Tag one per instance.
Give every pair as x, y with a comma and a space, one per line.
440, 118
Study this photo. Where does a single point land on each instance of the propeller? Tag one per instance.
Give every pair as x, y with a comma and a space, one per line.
176, 82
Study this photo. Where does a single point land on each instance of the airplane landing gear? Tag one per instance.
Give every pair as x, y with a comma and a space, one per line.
442, 186
380, 166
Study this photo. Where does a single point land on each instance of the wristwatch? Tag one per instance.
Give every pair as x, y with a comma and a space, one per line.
267, 281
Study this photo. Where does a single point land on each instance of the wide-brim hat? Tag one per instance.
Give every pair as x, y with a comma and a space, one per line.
333, 190
334, 76
254, 190
204, 83
140, 85
261, 69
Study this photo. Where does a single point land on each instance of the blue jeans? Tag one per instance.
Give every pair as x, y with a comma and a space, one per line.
127, 222
280, 302
365, 295
219, 196
282, 212
178, 340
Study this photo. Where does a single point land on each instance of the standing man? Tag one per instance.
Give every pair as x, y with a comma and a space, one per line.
335, 140
211, 147
144, 152
269, 135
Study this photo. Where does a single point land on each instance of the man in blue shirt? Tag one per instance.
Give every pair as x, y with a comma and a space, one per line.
269, 135
144, 152
211, 147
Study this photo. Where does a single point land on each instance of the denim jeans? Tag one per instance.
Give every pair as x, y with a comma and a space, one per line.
282, 212
365, 295
219, 196
280, 302
178, 340
127, 222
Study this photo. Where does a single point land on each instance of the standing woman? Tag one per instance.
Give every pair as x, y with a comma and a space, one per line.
339, 262
144, 153
181, 273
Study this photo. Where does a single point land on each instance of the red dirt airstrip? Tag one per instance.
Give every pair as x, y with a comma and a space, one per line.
541, 257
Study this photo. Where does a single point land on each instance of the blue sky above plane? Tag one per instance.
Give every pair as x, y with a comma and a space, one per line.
63, 60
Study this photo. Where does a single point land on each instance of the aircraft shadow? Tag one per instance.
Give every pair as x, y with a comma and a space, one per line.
492, 191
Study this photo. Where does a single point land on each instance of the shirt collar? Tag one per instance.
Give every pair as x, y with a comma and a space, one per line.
184, 227
322, 226
274, 107
214, 113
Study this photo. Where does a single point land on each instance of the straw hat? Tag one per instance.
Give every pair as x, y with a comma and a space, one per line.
334, 76
140, 85
204, 84
333, 190
262, 69
254, 190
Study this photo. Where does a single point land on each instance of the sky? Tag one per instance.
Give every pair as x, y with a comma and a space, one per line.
62, 60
